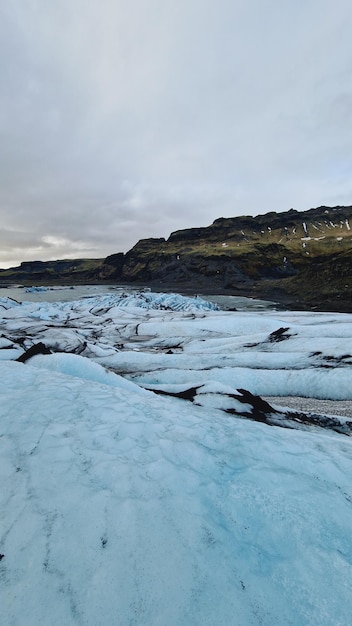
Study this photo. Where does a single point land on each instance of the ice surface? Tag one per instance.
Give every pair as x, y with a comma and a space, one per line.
83, 368
166, 338
119, 506
122, 509
36, 289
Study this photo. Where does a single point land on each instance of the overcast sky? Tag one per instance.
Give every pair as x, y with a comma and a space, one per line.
126, 119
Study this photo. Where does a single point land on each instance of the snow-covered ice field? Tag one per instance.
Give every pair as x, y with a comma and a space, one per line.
121, 506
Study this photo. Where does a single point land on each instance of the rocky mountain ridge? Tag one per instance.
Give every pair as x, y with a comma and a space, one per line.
303, 258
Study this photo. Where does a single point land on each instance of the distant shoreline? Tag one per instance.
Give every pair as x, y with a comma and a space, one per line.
277, 296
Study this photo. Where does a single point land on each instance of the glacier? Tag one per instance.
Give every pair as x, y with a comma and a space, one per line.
125, 507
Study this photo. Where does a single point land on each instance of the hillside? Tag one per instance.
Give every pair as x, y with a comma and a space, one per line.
47, 272
302, 258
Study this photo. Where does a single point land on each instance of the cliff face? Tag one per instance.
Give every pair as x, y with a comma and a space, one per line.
303, 257
299, 256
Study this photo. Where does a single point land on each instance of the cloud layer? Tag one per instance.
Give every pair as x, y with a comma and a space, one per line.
128, 119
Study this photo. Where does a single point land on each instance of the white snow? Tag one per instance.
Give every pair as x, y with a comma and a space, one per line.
122, 507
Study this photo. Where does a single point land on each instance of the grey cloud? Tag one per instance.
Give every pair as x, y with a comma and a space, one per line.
123, 120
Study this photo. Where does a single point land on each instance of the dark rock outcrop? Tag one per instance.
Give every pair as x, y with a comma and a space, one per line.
38, 348
297, 258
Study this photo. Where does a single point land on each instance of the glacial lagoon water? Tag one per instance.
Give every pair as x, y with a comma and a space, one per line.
76, 292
